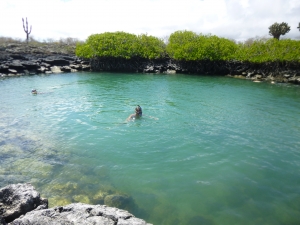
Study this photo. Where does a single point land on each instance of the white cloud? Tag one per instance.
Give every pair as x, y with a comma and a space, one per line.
236, 19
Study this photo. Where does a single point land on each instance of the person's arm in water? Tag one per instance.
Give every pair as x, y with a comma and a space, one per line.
152, 117
132, 116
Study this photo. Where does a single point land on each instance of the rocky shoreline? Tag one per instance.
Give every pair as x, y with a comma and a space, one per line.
21, 204
273, 72
18, 59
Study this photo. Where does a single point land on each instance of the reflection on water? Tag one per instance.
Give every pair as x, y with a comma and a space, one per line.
223, 151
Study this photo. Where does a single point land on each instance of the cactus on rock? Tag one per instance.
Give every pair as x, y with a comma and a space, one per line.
26, 29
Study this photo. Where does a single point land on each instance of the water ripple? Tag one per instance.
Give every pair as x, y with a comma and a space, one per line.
218, 150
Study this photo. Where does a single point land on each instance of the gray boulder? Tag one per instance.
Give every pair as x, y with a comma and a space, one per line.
3, 68
86, 67
16, 66
77, 214
66, 68
12, 71
42, 69
149, 69
18, 199
75, 66
18, 56
55, 69
2, 221
69, 58
85, 62
30, 65
57, 62
45, 65
171, 71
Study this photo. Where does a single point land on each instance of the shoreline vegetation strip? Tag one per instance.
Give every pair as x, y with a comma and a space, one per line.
188, 46
183, 51
180, 45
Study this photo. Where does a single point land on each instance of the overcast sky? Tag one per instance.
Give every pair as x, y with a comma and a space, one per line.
234, 19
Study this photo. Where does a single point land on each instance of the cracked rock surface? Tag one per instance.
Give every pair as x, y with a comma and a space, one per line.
79, 213
18, 199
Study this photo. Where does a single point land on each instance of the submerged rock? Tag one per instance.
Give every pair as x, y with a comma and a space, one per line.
82, 199
119, 201
18, 199
58, 200
40, 168
100, 196
79, 213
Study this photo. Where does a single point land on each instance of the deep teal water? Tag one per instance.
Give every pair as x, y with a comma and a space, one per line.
208, 150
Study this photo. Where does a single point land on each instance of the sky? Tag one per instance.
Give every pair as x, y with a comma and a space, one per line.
233, 19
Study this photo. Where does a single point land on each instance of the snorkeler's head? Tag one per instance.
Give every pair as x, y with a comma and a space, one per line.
138, 110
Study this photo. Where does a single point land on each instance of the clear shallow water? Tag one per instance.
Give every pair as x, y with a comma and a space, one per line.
222, 151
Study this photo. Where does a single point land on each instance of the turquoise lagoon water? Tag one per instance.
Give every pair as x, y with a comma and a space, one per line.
208, 150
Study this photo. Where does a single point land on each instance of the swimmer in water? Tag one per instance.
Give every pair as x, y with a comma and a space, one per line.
138, 113
34, 91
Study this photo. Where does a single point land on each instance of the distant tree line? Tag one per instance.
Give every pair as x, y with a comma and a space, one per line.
190, 46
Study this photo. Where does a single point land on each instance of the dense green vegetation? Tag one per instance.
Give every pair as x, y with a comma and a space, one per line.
121, 45
188, 46
272, 50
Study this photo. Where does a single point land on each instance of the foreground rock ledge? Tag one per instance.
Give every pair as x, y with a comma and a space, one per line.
18, 199
22, 201
79, 213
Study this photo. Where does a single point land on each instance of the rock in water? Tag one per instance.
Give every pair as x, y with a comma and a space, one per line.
119, 201
79, 213
18, 199
55, 69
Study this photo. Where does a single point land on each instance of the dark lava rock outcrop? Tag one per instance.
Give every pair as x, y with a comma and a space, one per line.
21, 204
19, 59
18, 199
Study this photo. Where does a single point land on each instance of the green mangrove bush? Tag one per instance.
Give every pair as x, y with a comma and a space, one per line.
272, 50
121, 45
187, 45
